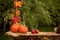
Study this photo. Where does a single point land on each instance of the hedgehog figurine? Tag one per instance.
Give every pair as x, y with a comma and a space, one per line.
57, 29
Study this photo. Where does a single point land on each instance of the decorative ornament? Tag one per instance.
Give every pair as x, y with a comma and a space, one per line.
18, 4
23, 29
16, 26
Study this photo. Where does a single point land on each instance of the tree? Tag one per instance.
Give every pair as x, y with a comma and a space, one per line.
34, 13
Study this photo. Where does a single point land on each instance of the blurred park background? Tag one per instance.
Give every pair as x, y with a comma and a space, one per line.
35, 14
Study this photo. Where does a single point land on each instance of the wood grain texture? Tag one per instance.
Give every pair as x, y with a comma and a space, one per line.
30, 34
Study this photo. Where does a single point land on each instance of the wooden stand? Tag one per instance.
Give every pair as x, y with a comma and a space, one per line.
29, 36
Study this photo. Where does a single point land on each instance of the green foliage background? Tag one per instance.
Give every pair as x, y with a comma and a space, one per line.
34, 13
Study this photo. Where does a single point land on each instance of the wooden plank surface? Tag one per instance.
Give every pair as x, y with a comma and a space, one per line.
30, 34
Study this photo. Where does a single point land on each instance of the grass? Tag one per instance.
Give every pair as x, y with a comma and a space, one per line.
4, 37
44, 29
